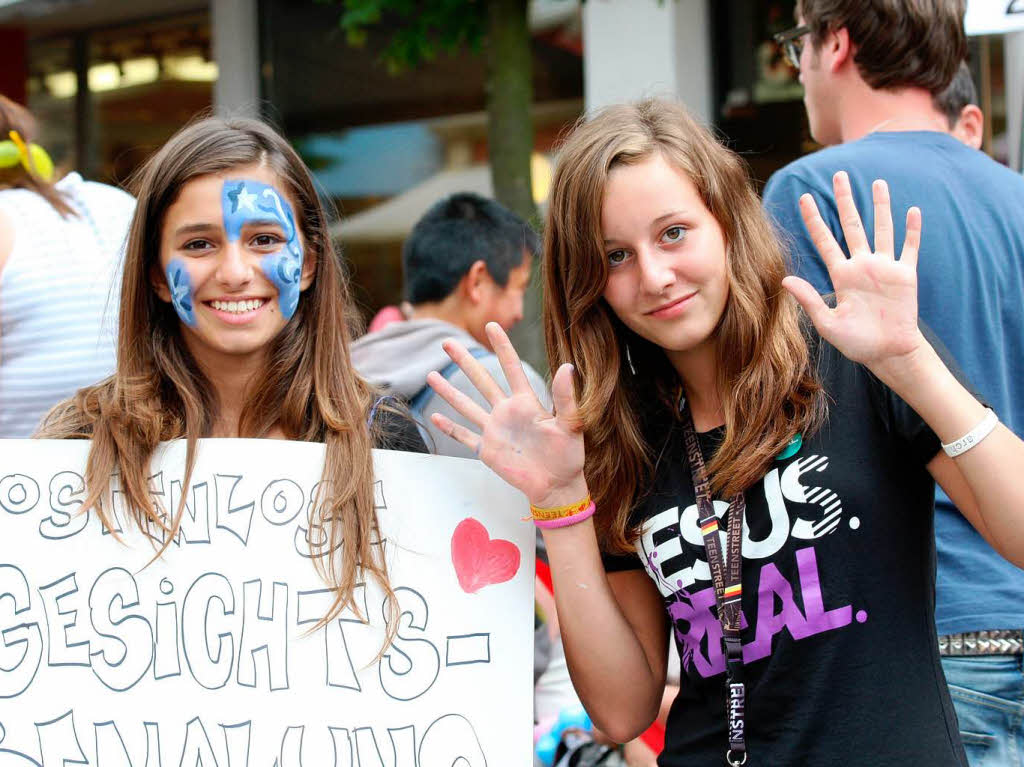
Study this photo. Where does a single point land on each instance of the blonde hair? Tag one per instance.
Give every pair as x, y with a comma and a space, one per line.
309, 388
766, 378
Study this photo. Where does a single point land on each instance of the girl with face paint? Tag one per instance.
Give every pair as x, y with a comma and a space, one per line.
232, 265
234, 322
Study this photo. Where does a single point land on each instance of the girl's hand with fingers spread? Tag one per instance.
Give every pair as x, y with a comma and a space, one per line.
535, 451
874, 321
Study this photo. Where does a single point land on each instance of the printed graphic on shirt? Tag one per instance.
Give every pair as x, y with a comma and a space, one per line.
672, 550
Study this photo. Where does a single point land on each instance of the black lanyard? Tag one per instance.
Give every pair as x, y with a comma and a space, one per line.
727, 577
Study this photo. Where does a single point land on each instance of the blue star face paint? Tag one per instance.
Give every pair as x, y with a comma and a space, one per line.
246, 201
182, 297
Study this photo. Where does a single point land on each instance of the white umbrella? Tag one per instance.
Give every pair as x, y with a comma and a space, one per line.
392, 220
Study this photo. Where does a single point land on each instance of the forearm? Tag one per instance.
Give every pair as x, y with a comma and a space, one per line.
618, 680
993, 469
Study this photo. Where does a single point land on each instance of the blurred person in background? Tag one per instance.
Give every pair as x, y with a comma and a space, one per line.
466, 262
60, 242
872, 71
388, 314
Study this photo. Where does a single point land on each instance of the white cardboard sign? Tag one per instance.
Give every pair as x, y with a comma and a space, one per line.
206, 656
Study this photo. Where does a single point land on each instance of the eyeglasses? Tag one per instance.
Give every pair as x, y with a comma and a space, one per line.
792, 43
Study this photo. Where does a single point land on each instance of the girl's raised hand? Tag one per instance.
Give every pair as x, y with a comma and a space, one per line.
535, 451
874, 321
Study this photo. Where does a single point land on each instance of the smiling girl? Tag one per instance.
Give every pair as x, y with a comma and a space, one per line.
755, 478
234, 322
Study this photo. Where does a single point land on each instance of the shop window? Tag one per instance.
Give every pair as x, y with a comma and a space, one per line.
144, 79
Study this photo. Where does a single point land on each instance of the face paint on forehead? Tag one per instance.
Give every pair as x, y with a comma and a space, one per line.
244, 201
182, 297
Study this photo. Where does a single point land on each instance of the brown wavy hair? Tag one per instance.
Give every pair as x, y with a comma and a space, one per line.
309, 388
766, 377
14, 117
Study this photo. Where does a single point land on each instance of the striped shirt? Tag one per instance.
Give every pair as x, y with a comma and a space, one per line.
59, 292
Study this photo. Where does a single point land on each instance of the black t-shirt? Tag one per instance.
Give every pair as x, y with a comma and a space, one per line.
841, 656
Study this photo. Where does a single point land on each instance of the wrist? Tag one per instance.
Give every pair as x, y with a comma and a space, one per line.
563, 494
922, 380
903, 372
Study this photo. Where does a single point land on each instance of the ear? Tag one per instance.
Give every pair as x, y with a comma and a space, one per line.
970, 127
840, 49
475, 281
308, 272
158, 281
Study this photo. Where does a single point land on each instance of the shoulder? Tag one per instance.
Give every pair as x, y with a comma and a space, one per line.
114, 201
812, 173
1002, 178
811, 168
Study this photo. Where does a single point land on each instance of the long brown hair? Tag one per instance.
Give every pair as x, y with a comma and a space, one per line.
766, 377
309, 388
14, 117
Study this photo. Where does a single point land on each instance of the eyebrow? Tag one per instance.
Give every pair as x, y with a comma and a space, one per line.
659, 220
670, 214
209, 227
195, 229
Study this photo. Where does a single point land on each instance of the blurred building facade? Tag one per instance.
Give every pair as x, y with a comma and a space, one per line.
112, 79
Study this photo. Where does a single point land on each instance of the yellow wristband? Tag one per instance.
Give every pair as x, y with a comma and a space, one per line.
559, 512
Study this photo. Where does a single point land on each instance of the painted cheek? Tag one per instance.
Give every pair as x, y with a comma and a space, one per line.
284, 270
182, 295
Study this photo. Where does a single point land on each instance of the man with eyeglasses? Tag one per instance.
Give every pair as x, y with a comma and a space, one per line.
870, 70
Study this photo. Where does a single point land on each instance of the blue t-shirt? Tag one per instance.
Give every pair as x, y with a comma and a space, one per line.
971, 288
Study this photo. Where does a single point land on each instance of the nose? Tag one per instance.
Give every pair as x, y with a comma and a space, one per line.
235, 268
656, 274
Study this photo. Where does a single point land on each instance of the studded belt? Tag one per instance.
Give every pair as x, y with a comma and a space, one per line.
999, 642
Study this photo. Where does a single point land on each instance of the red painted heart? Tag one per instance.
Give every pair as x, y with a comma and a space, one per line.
480, 561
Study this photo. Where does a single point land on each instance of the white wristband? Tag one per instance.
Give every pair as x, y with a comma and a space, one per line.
974, 436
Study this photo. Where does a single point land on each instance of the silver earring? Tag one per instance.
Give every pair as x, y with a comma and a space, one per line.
629, 361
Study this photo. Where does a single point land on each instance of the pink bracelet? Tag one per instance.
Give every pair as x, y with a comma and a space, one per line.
549, 524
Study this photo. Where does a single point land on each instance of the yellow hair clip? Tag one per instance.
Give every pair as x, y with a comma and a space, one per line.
32, 157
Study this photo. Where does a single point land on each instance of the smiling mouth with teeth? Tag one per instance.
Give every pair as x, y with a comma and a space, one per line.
238, 307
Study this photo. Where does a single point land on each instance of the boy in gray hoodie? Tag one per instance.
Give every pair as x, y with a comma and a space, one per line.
466, 263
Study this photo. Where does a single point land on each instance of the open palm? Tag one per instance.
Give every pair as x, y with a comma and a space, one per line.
875, 317
532, 449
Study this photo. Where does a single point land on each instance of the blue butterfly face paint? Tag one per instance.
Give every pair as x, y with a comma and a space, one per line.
246, 201
182, 298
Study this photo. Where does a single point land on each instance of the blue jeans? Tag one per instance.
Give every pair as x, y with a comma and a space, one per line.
988, 695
